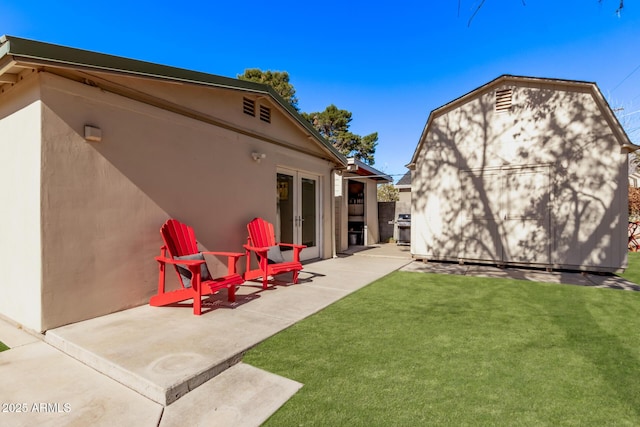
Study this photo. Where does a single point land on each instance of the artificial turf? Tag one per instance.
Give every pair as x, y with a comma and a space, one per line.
426, 349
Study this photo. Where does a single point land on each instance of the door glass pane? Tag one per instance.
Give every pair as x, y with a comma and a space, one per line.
285, 222
308, 211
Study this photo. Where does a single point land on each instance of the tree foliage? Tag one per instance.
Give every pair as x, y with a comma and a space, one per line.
333, 125
388, 193
634, 203
279, 80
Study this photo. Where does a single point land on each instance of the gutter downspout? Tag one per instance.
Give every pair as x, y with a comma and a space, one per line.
332, 202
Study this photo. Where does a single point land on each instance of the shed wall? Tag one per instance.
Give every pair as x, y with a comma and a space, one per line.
474, 159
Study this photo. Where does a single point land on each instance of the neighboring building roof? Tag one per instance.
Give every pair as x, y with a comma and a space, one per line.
17, 52
357, 167
405, 181
624, 140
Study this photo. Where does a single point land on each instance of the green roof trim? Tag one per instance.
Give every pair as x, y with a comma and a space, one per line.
25, 50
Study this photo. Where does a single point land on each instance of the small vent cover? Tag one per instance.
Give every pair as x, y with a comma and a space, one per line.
249, 106
503, 100
265, 114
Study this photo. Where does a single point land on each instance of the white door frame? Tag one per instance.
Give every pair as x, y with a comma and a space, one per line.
297, 223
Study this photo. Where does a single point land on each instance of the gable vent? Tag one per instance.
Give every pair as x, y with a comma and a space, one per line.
503, 100
265, 114
249, 106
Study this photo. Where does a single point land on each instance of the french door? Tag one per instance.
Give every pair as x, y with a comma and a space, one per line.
298, 212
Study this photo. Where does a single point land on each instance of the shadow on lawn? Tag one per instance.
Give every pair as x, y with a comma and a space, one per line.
604, 350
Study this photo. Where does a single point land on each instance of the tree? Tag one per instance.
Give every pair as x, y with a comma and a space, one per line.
279, 80
477, 9
634, 204
388, 193
333, 124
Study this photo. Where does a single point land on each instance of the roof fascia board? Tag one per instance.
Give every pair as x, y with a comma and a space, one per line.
373, 172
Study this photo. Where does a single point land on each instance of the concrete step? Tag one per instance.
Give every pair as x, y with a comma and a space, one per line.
240, 396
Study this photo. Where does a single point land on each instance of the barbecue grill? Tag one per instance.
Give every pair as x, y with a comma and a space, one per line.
404, 229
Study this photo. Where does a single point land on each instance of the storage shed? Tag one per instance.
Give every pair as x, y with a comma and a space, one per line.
524, 171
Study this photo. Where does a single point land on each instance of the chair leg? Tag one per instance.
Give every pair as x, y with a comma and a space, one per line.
197, 299
232, 293
295, 277
265, 281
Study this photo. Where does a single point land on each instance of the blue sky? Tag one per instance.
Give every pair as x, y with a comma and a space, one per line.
389, 63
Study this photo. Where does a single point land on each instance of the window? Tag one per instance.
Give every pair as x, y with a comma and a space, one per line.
265, 114
503, 100
249, 106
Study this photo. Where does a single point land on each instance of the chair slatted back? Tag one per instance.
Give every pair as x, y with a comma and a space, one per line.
261, 233
179, 238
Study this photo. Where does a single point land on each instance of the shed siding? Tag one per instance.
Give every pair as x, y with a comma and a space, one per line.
543, 183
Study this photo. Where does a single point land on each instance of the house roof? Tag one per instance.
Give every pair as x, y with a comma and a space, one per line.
405, 181
16, 54
621, 135
357, 167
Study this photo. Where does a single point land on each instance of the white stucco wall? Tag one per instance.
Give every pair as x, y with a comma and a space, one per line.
491, 166
20, 251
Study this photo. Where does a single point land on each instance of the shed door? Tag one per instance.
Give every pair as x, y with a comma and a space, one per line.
526, 220
505, 215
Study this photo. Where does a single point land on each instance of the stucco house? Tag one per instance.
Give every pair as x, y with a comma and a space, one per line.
356, 195
525, 171
97, 151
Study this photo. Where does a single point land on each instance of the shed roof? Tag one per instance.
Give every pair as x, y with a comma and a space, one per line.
364, 170
16, 54
591, 87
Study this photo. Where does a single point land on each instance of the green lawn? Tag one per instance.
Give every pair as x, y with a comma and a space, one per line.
423, 349
3, 347
632, 272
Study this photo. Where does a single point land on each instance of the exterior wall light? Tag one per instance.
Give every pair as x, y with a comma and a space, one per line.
92, 133
257, 157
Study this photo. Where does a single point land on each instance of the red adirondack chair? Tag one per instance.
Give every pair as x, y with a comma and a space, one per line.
262, 242
191, 268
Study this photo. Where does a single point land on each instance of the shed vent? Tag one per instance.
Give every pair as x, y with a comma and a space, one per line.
503, 100
265, 114
249, 106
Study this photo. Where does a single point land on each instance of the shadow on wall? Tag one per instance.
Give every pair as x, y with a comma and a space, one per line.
537, 184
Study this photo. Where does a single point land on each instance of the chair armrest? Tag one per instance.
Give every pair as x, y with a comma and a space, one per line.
292, 245
232, 259
256, 249
296, 250
227, 254
188, 263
